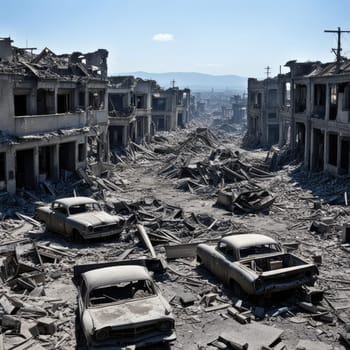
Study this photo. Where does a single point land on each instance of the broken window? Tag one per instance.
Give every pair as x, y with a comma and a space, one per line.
332, 149
319, 109
96, 99
81, 100
120, 292
259, 249
81, 152
45, 100
141, 101
346, 98
2, 166
300, 98
286, 94
116, 102
333, 102
21, 105
158, 104
63, 103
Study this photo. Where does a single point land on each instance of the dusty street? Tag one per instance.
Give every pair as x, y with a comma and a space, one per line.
301, 202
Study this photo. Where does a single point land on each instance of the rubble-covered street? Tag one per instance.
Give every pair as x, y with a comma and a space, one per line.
185, 187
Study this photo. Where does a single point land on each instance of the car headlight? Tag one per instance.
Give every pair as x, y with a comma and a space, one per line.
165, 326
102, 334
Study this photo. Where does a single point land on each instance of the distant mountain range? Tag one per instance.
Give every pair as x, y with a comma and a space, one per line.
195, 81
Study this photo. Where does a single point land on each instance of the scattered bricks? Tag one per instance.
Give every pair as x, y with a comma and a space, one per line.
29, 329
47, 325
317, 259
6, 304
187, 299
233, 344
217, 307
11, 322
242, 318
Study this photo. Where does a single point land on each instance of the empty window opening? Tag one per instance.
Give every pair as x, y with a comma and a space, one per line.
67, 156
300, 98
300, 140
96, 100
159, 123
272, 115
159, 104
45, 100
286, 94
332, 149
2, 166
21, 105
333, 106
180, 122
25, 169
81, 100
346, 98
141, 101
344, 157
63, 103
319, 100
272, 98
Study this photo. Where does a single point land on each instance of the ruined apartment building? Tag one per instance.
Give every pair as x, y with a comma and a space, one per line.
170, 108
313, 117
50, 106
129, 109
268, 100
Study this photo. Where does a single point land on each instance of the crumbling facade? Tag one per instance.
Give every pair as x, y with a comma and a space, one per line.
312, 117
129, 109
51, 106
170, 108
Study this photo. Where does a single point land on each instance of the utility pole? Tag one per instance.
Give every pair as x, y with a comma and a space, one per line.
267, 71
173, 83
338, 50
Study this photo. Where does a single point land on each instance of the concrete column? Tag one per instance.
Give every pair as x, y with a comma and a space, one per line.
328, 101
125, 135
11, 170
312, 150
325, 150
33, 108
55, 98
55, 161
307, 145
36, 165
339, 139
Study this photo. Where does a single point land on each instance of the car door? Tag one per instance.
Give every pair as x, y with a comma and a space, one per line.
58, 217
224, 259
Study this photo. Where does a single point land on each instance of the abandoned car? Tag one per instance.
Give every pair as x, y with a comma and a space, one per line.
255, 264
121, 306
79, 218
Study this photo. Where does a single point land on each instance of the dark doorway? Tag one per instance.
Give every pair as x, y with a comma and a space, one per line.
46, 162
318, 150
273, 134
67, 156
116, 135
25, 169
20, 105
180, 122
344, 157
2, 166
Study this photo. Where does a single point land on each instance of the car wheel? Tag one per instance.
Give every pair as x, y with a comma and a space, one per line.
76, 236
237, 289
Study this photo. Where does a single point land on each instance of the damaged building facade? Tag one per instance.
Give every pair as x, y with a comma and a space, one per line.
170, 108
129, 109
312, 117
51, 106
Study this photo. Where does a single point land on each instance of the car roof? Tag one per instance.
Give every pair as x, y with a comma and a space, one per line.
74, 201
114, 274
247, 240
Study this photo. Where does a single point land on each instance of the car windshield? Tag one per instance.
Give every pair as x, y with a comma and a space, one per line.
259, 249
84, 208
121, 292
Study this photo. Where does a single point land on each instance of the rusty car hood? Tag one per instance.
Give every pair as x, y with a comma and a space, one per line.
94, 218
131, 312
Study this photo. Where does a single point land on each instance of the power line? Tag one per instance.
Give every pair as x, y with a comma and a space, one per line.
338, 50
267, 71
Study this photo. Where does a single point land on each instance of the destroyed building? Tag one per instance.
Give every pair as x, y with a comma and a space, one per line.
312, 117
170, 108
51, 107
129, 109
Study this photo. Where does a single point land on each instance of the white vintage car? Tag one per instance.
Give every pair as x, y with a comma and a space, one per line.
254, 264
79, 218
121, 306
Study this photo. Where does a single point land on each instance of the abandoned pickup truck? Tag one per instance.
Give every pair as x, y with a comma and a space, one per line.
79, 218
255, 264
121, 306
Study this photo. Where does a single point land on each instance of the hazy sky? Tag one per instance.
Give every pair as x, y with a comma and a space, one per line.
208, 36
